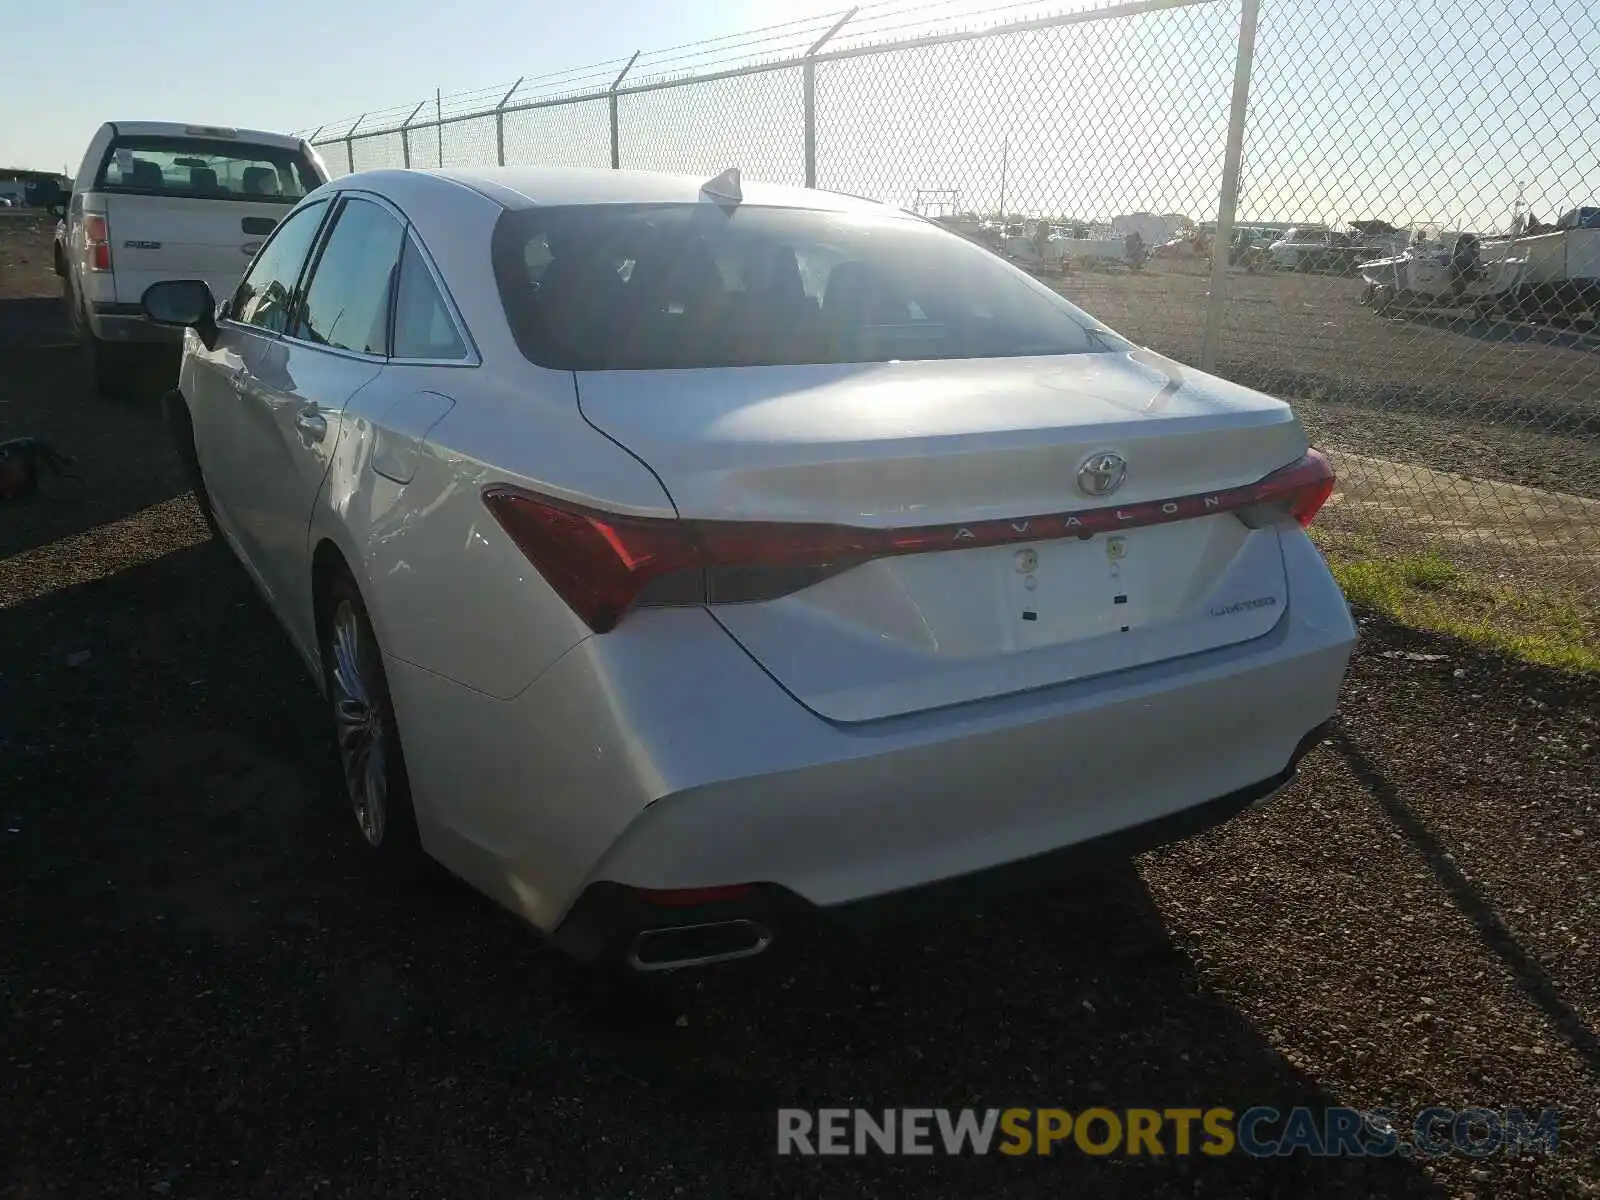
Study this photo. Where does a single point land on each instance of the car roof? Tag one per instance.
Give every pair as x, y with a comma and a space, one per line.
531, 187
259, 137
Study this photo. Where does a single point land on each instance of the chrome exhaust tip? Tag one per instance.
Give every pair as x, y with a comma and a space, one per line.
679, 946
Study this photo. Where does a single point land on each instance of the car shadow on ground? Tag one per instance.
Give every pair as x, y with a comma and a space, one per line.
1524, 967
212, 992
1501, 330
34, 323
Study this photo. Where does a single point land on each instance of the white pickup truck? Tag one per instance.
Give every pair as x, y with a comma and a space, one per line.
156, 200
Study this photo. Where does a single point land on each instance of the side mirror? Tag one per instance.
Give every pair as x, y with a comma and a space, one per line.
58, 210
186, 302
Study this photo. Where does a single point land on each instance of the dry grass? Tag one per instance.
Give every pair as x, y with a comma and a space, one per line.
1426, 590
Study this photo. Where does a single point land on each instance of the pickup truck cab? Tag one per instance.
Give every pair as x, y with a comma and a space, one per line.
158, 200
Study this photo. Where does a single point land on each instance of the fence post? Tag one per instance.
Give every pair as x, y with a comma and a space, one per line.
405, 134
350, 145
438, 121
616, 146
500, 123
808, 76
1228, 200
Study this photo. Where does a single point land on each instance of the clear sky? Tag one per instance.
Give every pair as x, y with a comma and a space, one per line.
72, 64
1409, 110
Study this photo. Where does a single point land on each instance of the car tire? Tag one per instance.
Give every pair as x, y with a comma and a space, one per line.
110, 366
365, 733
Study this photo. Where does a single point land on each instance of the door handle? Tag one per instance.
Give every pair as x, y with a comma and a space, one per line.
313, 426
240, 379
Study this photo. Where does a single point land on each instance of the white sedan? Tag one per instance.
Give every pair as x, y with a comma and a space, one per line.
683, 559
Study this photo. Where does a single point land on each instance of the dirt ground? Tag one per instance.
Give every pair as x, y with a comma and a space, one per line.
1492, 399
206, 994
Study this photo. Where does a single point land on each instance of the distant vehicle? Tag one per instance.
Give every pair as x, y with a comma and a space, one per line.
1095, 248
155, 200
1430, 275
1188, 245
1540, 272
1153, 229
1560, 281
682, 558
1313, 248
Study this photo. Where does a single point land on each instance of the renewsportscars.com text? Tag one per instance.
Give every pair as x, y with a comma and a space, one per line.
1258, 1132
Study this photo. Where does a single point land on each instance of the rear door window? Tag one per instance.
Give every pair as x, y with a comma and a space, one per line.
347, 302
206, 169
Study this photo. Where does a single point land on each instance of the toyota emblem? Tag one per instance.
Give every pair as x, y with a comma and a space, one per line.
1102, 474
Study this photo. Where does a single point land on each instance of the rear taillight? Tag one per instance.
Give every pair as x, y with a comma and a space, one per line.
1302, 487
597, 562
97, 241
600, 563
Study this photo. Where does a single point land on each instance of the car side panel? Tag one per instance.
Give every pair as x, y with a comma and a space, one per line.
446, 588
205, 380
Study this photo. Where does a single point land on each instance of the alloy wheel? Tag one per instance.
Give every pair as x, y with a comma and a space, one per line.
363, 744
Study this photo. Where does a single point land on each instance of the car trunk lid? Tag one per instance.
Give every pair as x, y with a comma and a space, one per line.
955, 447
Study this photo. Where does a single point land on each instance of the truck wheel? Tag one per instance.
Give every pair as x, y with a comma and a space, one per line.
110, 367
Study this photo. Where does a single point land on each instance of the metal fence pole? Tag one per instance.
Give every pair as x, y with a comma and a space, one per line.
500, 123
1228, 200
808, 85
808, 74
616, 144
438, 120
350, 145
405, 134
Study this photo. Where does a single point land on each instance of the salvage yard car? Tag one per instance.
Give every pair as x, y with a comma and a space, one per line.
155, 200
687, 560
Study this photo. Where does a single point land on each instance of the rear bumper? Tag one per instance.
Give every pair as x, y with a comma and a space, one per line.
117, 322
608, 918
660, 756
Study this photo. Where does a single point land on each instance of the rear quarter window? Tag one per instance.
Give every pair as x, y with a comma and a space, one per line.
206, 169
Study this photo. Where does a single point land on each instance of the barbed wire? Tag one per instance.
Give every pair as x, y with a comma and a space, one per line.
879, 22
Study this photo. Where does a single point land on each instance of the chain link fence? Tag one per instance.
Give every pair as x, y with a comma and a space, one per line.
1387, 212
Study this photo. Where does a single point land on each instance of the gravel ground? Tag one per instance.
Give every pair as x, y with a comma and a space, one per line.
208, 995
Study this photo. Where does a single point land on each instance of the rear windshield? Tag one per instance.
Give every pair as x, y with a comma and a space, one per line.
650, 287
202, 169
